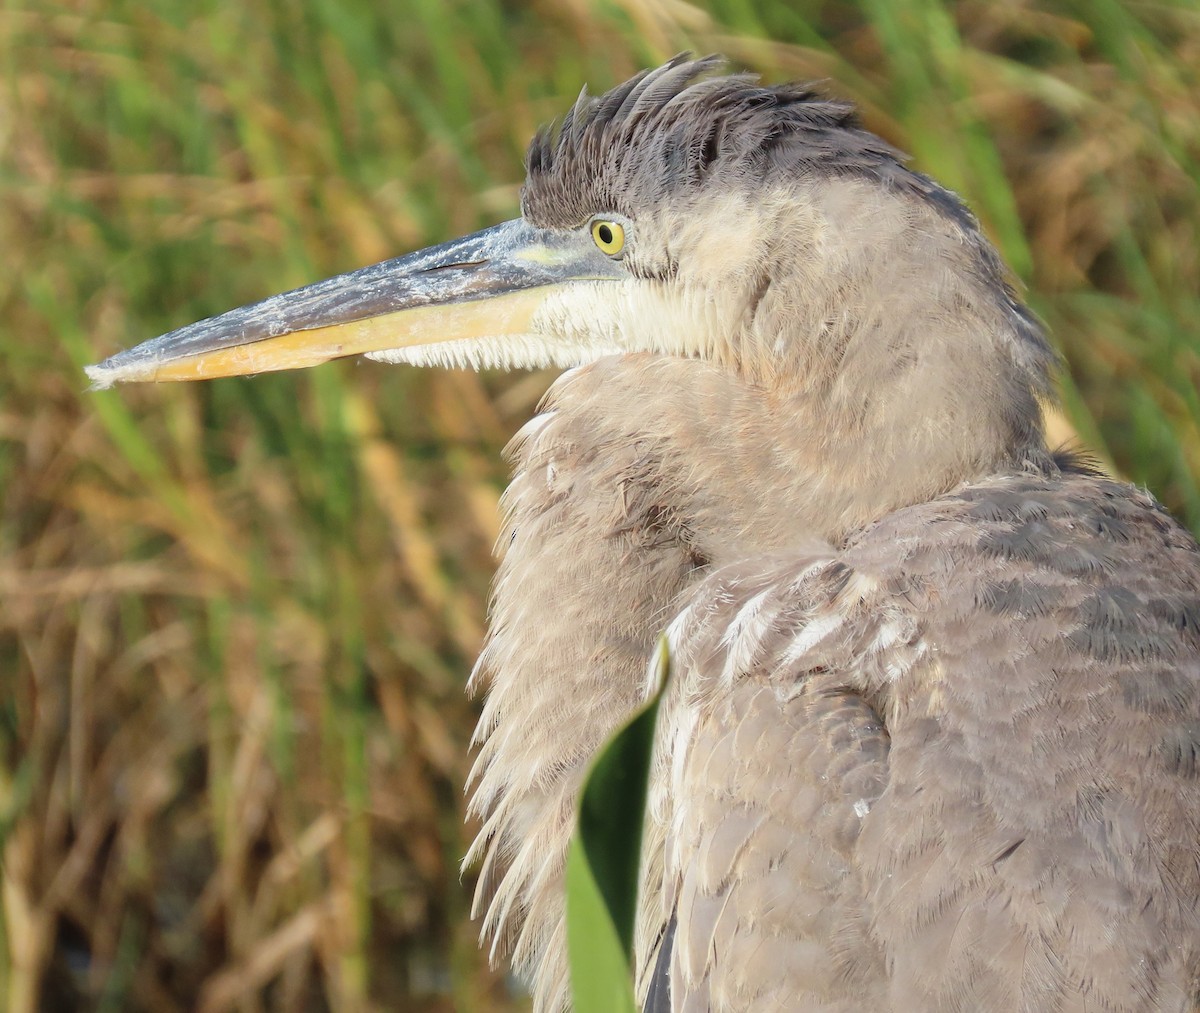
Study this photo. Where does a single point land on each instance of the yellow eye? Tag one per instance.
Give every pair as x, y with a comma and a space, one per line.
609, 236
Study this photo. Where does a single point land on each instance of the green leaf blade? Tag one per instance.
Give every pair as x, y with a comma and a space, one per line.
603, 861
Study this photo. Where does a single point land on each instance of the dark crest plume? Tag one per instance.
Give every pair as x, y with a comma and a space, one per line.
678, 127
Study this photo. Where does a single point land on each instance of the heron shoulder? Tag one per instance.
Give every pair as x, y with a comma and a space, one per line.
988, 706
1060, 562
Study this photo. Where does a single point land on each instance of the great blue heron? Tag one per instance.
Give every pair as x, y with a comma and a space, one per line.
934, 743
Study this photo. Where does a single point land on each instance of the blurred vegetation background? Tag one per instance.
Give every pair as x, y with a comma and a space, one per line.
236, 618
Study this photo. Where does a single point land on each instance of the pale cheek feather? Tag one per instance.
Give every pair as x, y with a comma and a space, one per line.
513, 351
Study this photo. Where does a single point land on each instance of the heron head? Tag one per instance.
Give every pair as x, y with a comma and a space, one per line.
683, 213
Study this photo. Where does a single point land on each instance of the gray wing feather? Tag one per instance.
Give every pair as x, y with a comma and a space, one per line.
952, 766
